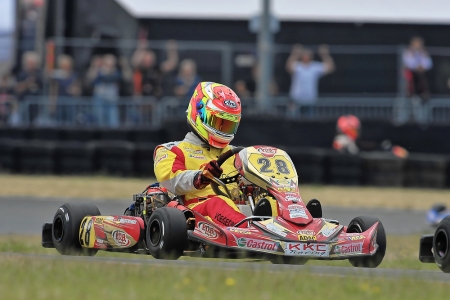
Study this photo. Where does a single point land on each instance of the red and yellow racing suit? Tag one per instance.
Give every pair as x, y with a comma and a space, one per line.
176, 166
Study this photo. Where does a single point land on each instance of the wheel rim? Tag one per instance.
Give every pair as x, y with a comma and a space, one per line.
155, 233
354, 228
441, 243
58, 229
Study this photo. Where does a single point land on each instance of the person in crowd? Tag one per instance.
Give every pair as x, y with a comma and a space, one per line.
347, 141
148, 74
106, 80
8, 105
187, 79
416, 62
64, 85
306, 74
30, 78
248, 88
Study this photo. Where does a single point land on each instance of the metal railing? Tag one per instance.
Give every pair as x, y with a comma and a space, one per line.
152, 113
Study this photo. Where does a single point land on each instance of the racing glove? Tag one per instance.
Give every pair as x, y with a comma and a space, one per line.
203, 178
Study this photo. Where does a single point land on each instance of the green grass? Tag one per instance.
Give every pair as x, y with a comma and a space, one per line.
402, 252
101, 187
23, 278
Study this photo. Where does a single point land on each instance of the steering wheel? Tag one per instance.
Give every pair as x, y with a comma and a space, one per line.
220, 161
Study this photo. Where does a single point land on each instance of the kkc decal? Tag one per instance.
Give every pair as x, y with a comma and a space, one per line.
307, 249
120, 237
257, 244
348, 249
207, 230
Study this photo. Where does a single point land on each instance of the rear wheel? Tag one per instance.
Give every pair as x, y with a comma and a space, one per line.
441, 245
166, 233
361, 224
66, 226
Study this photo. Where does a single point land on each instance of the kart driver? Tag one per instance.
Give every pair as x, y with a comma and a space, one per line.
184, 168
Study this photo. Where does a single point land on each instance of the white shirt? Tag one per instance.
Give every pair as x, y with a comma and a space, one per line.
305, 81
415, 59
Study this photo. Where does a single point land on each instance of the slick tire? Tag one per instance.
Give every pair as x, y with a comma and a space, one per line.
361, 224
166, 233
66, 227
441, 245
287, 260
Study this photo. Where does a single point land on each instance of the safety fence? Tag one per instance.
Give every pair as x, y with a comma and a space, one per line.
316, 166
150, 112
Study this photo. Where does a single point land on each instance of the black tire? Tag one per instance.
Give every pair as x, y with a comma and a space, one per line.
361, 224
166, 233
441, 245
66, 226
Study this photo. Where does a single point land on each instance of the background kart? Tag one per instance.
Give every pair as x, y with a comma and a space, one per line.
435, 248
436, 214
168, 230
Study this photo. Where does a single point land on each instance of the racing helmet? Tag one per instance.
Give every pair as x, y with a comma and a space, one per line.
349, 125
157, 197
214, 113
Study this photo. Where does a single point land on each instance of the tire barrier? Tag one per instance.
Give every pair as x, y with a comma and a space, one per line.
309, 164
425, 171
37, 157
75, 158
382, 169
343, 169
115, 157
144, 159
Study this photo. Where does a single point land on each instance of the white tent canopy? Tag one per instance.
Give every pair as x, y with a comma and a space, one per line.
361, 11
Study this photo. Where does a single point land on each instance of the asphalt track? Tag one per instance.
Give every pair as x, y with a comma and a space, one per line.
25, 215
196, 264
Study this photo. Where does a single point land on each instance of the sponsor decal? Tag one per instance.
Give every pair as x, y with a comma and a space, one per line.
297, 211
348, 249
98, 220
99, 241
277, 229
124, 221
230, 103
328, 229
307, 249
224, 220
196, 156
160, 158
238, 230
193, 151
67, 217
62, 209
257, 244
266, 151
306, 235
292, 198
356, 238
120, 238
207, 230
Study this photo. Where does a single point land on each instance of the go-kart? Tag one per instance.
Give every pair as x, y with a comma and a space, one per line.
435, 248
436, 214
163, 227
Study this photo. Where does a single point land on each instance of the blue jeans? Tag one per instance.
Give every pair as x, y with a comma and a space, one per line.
107, 112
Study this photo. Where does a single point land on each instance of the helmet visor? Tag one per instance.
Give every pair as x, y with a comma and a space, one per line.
225, 126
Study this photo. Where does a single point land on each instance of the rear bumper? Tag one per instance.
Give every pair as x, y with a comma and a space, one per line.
425, 249
47, 241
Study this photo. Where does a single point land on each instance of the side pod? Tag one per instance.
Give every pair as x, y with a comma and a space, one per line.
425, 250
47, 241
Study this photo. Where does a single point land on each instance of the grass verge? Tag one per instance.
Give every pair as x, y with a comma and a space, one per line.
23, 278
402, 252
100, 187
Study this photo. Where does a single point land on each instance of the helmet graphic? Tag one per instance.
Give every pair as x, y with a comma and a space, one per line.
214, 113
349, 125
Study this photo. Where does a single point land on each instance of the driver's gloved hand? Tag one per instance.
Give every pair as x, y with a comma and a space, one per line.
211, 169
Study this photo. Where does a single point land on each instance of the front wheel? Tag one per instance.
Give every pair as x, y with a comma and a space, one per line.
166, 233
359, 225
66, 227
441, 245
